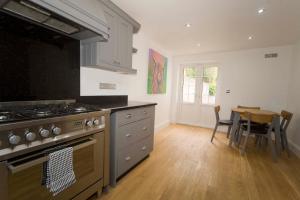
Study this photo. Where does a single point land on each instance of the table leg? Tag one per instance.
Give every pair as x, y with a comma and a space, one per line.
230, 127
276, 125
236, 119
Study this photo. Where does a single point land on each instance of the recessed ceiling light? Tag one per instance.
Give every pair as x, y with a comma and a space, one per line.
261, 11
250, 37
188, 25
198, 45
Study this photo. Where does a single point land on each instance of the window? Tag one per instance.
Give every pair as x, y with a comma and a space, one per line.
189, 85
209, 85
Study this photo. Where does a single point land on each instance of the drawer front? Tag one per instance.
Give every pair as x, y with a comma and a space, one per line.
145, 147
132, 115
126, 159
130, 156
130, 133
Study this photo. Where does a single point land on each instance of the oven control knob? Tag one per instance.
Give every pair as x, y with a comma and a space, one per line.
14, 139
30, 136
96, 122
56, 130
89, 123
44, 133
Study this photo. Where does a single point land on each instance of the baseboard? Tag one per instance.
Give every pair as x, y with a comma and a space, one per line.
194, 124
160, 126
295, 148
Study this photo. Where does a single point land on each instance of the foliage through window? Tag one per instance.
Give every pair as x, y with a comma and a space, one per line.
209, 85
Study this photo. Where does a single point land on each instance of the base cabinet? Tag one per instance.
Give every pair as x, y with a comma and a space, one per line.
132, 136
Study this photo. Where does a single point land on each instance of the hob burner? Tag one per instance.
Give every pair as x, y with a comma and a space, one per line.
80, 109
42, 113
4, 116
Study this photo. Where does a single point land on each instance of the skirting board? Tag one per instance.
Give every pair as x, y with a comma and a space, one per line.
200, 125
161, 126
295, 148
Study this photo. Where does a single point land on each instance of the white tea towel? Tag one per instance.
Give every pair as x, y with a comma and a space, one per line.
59, 173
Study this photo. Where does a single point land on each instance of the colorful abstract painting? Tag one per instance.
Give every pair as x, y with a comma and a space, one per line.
157, 73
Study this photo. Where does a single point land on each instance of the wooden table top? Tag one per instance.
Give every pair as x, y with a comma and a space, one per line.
259, 116
255, 111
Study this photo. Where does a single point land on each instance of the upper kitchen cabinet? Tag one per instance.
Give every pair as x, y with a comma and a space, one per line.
116, 53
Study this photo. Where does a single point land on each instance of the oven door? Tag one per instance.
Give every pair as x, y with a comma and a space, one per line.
24, 176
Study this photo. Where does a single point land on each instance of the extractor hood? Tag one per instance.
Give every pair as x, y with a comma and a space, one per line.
67, 17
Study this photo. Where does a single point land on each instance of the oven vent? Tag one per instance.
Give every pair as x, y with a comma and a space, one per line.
271, 55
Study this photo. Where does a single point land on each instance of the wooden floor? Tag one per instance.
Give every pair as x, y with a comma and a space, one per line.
185, 165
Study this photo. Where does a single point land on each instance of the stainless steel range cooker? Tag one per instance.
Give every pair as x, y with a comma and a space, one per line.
28, 132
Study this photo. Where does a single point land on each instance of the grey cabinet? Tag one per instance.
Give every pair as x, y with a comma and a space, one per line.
106, 52
116, 53
125, 39
132, 134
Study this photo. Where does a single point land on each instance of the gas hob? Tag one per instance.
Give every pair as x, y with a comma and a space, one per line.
22, 113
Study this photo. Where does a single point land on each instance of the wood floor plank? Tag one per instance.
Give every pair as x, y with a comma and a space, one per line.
185, 165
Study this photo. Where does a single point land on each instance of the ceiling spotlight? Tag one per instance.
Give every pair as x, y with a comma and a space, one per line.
261, 11
188, 25
198, 45
250, 38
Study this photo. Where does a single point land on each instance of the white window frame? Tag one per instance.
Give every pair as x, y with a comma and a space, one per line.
209, 66
198, 98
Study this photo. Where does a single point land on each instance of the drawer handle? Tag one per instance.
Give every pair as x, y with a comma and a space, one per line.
128, 116
128, 158
145, 128
145, 112
144, 148
128, 135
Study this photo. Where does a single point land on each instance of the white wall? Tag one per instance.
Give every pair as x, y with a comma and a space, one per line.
135, 86
294, 100
252, 79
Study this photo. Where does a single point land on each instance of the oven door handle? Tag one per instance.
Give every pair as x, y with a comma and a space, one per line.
17, 168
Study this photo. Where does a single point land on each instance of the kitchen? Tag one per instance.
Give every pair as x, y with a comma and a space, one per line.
81, 116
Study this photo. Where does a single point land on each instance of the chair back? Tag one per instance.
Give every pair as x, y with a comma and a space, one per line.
217, 110
286, 119
248, 107
258, 118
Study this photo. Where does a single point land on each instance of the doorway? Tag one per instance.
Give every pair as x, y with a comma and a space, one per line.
197, 94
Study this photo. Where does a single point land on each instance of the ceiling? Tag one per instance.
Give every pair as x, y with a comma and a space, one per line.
216, 25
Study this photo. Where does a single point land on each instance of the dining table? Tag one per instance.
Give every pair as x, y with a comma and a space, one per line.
258, 116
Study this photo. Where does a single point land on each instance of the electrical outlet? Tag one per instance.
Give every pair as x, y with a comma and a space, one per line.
107, 86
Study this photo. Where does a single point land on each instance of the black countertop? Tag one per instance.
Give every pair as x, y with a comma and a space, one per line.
114, 103
129, 105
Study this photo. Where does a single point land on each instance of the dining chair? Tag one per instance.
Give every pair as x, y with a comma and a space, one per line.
219, 122
264, 130
243, 120
286, 119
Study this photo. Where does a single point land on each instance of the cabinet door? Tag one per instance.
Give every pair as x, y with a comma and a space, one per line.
106, 50
125, 34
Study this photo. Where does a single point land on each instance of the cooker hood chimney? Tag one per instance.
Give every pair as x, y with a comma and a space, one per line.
63, 16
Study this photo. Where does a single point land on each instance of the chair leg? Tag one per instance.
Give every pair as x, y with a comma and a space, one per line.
213, 135
257, 140
286, 144
282, 141
243, 150
240, 137
228, 131
274, 154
